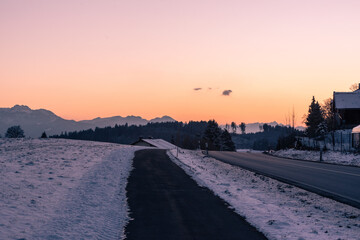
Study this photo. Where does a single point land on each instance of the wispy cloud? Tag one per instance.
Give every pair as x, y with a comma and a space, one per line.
197, 89
226, 92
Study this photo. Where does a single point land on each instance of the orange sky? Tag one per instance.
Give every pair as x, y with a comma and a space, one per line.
84, 59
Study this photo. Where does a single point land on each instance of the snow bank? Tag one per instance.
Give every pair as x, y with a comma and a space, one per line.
328, 156
63, 189
279, 210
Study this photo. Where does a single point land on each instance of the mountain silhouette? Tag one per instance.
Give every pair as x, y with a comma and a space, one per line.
35, 122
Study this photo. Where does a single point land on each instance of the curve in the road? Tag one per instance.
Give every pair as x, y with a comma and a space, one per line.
340, 183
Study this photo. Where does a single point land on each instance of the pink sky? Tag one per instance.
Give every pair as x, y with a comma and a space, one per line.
84, 59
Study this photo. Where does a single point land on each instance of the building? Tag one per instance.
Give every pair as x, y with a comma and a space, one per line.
347, 108
157, 143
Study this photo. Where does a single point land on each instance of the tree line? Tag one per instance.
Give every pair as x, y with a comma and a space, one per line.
191, 135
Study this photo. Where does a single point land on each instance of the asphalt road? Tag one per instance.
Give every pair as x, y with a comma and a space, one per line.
341, 183
165, 203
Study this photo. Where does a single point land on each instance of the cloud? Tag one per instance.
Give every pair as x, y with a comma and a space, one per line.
197, 89
226, 92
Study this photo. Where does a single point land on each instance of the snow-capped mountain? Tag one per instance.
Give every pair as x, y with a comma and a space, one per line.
34, 122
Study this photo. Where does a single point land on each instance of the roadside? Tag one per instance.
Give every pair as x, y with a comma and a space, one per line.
165, 203
331, 157
279, 210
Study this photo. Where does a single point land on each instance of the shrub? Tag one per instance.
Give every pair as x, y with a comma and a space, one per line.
14, 132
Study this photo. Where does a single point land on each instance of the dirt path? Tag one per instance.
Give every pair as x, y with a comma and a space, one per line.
165, 203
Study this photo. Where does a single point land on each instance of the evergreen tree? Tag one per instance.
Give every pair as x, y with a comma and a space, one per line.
322, 129
266, 127
242, 127
314, 119
212, 135
226, 142
15, 132
43, 135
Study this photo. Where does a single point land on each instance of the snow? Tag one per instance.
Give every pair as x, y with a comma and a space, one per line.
160, 143
249, 150
63, 189
328, 156
347, 100
356, 129
279, 210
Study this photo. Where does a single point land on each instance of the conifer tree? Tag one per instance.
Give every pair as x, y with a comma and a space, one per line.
242, 127
226, 142
43, 135
212, 135
314, 119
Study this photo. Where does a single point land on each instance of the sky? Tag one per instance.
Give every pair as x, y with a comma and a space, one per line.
242, 61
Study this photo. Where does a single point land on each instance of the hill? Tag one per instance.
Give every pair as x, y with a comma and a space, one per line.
34, 122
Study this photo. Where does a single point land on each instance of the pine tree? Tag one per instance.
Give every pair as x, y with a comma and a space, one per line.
314, 119
212, 135
242, 127
226, 142
43, 135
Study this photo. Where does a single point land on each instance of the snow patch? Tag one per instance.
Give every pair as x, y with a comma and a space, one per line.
63, 189
329, 156
280, 211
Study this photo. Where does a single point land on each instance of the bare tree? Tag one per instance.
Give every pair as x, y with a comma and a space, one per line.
227, 127
234, 127
261, 127
354, 87
293, 117
329, 116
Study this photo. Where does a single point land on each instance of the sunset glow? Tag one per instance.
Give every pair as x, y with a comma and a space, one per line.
86, 59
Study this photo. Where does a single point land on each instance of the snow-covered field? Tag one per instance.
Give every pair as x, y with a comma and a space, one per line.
279, 210
328, 156
63, 189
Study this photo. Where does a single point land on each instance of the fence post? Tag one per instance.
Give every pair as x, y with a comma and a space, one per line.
350, 142
341, 142
321, 154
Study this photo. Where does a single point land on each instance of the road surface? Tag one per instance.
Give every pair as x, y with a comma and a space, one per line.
341, 183
165, 203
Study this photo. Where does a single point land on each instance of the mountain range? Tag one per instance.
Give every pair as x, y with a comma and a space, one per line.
34, 122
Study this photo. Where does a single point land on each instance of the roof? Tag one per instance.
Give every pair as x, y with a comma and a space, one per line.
356, 129
158, 143
347, 100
